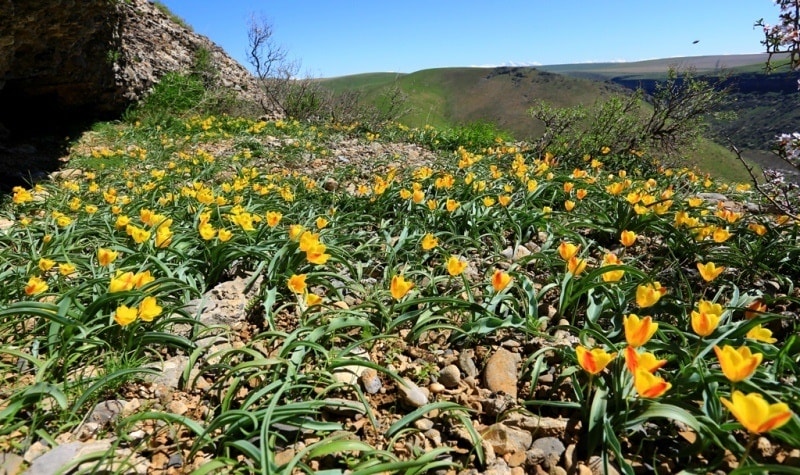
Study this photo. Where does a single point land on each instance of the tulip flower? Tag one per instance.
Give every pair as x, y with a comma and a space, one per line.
141, 279
149, 309
648, 294
122, 282
759, 333
575, 265
429, 241
273, 218
400, 287
754, 309
297, 283
66, 269
755, 413
737, 364
500, 280
455, 266
593, 361
613, 275
321, 222
46, 264
313, 299
295, 231
638, 331
308, 240
35, 286
206, 231
709, 271
224, 235
646, 361
106, 256
649, 385
567, 250
316, 254
125, 315
706, 318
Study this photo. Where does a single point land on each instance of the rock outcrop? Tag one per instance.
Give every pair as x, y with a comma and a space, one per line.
94, 57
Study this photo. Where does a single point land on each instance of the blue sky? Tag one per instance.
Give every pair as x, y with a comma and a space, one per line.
338, 37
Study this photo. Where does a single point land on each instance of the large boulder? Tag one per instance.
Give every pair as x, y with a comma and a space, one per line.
94, 57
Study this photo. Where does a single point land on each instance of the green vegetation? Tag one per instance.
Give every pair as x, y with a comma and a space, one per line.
172, 16
393, 262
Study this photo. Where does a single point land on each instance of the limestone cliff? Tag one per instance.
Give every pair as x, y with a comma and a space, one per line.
94, 57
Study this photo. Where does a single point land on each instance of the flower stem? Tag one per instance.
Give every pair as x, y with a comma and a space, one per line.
747, 448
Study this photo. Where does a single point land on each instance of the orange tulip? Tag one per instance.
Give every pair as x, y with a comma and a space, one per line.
737, 364
649, 385
593, 361
646, 361
638, 330
500, 280
756, 414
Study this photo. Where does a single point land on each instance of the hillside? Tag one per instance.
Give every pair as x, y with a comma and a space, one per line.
450, 96
761, 104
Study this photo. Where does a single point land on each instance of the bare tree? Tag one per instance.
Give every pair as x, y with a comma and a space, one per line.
277, 74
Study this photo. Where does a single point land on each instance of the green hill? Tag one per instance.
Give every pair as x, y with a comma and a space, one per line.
502, 95
456, 96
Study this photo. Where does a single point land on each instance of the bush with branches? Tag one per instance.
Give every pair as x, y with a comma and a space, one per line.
621, 127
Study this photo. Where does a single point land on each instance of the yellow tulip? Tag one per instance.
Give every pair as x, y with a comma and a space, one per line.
755, 309
46, 264
755, 413
400, 287
273, 218
122, 282
455, 266
224, 235
567, 250
504, 200
759, 333
163, 237
297, 283
125, 315
313, 299
321, 222
649, 385
709, 271
149, 309
308, 240
316, 254
451, 205
593, 361
35, 286
66, 269
106, 256
638, 331
295, 231
569, 205
614, 275
140, 279
646, 361
206, 231
628, 238
576, 265
706, 319
737, 364
648, 294
500, 280
429, 241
